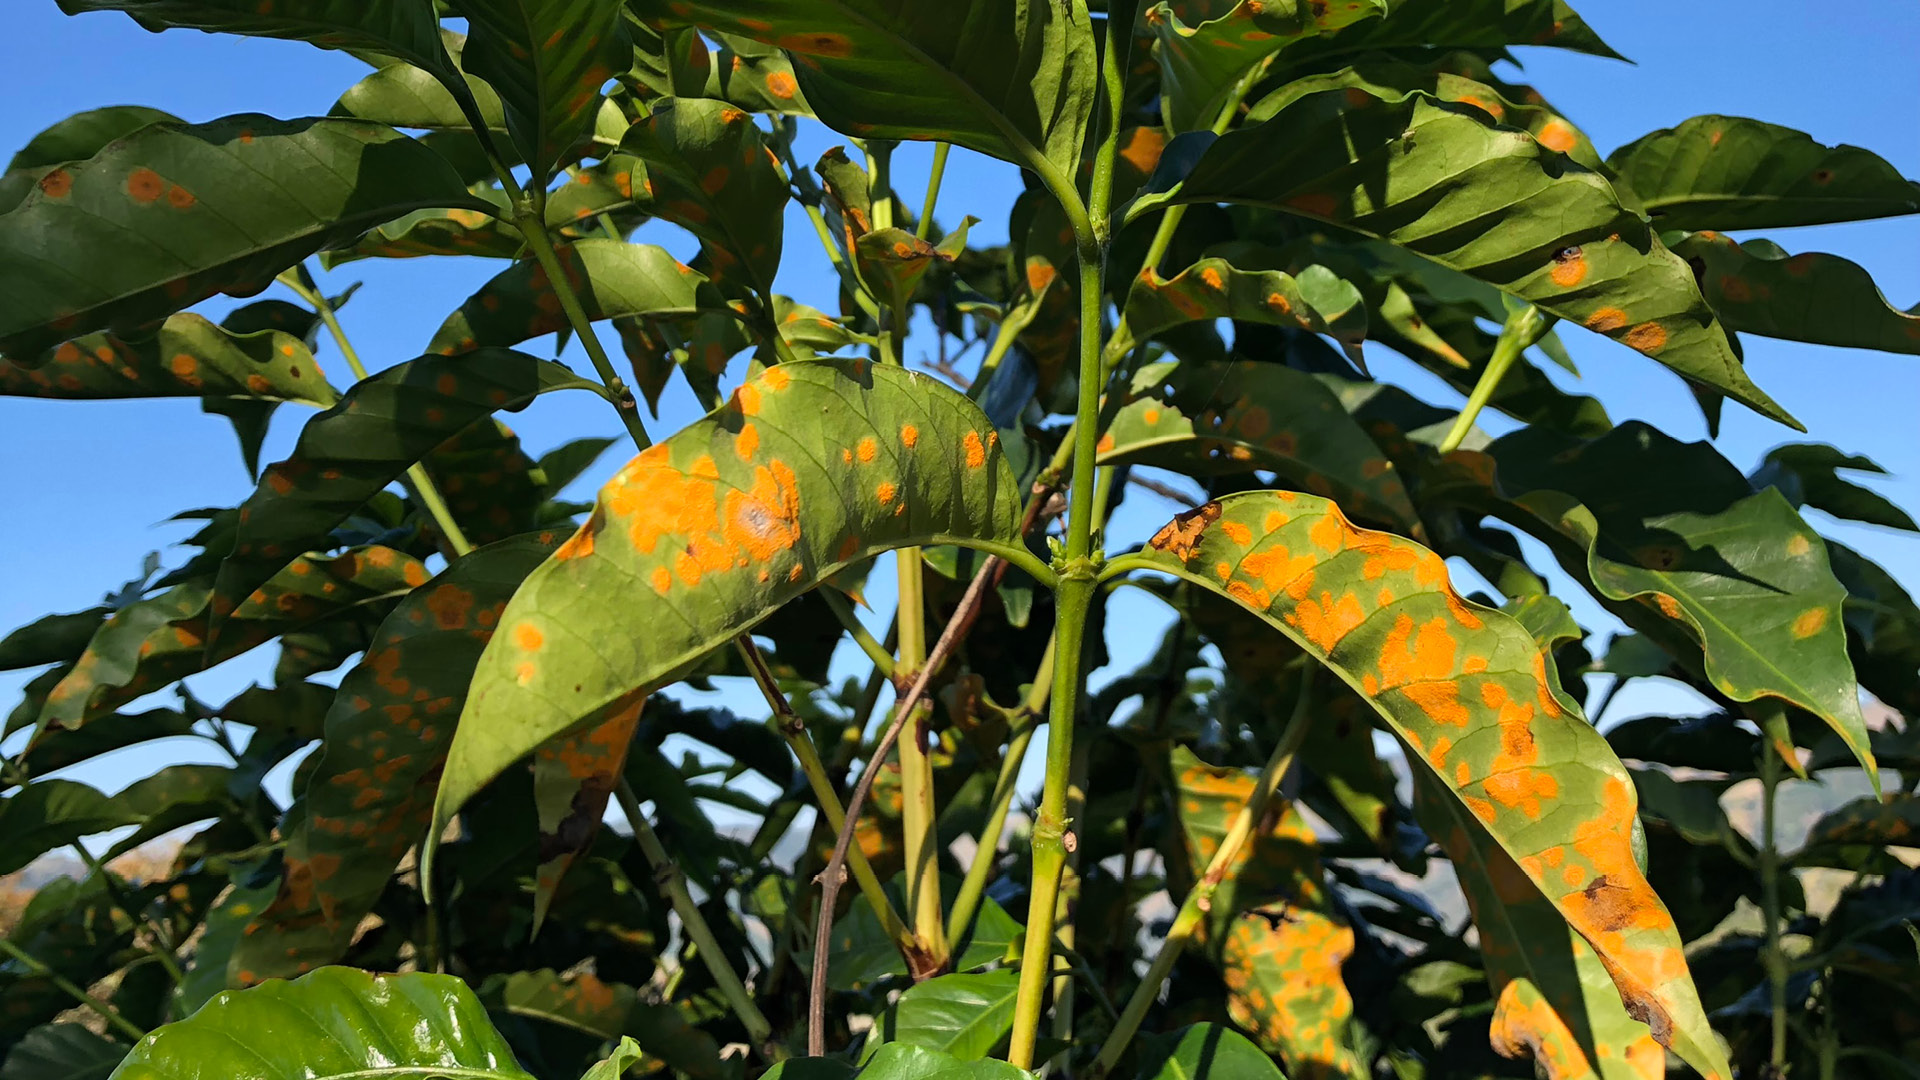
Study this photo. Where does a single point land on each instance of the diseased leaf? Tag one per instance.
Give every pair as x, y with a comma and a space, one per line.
1725, 172
1314, 299
584, 1003
1201, 60
403, 29
547, 59
491, 487
1865, 823
174, 213
1684, 550
62, 1051
1465, 24
405, 96
366, 799
710, 531
1208, 419
572, 780
708, 170
76, 138
1437, 179
1015, 82
614, 280
350, 452
50, 814
435, 232
334, 1023
189, 357
1470, 693
1757, 288
50, 639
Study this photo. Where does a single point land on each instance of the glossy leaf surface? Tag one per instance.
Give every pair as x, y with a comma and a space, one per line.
1205, 1052
614, 280
173, 214
1315, 300
1469, 691
547, 59
1200, 61
705, 534
965, 1016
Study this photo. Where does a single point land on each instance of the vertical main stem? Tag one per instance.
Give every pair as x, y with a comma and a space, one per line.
1774, 959
916, 770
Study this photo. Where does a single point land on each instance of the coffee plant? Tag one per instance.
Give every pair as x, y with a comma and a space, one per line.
1241, 859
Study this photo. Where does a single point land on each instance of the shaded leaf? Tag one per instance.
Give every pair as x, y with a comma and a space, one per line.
1201, 61
615, 1065
62, 1051
1808, 475
1726, 172
50, 814
708, 170
50, 639
1470, 692
174, 213
1515, 215
76, 138
614, 280
585, 1003
1757, 288
710, 531
1467, 24
189, 357
547, 59
1867, 822
1204, 1052
572, 781
403, 29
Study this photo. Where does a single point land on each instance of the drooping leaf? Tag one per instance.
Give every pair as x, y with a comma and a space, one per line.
1202, 59
572, 780
1866, 823
1205, 1052
1514, 214
174, 213
708, 169
189, 357
1808, 474
1280, 941
1015, 82
720, 525
614, 280
62, 1051
1469, 689
366, 798
50, 639
1726, 172
151, 643
1757, 288
434, 232
334, 1023
1684, 550
547, 59
1314, 299
350, 452
965, 1016
51, 814
1207, 419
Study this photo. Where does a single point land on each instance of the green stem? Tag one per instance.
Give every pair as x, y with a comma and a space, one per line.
933, 190
1774, 959
533, 227
1064, 907
850, 622
1016, 320
1200, 897
850, 280
1523, 327
917, 815
422, 484
162, 938
880, 182
974, 885
32, 963
673, 885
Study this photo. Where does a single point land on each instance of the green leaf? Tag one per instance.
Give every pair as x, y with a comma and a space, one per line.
1204, 1052
50, 639
756, 77
1725, 172
1466, 24
171, 798
586, 1004
1208, 419
1202, 60
1676, 539
1554, 1000
965, 1016
1012, 81
1315, 299
708, 170
76, 138
406, 30
616, 1064
405, 96
491, 487
365, 798
573, 778
710, 531
50, 814
350, 452
899, 1061
189, 357
1280, 940
547, 59
174, 213
1757, 288
226, 925
334, 1023
1469, 689
1866, 823
1808, 475
614, 280
435, 232
1514, 214
62, 1051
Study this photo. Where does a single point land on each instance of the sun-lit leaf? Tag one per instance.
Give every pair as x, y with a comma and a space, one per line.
1471, 693
1314, 299
1757, 288
407, 1025
901, 1061
1679, 543
1205, 1052
1515, 215
708, 170
1208, 419
1726, 172
1203, 52
965, 1016
174, 213
547, 60
405, 96
720, 525
1015, 82
350, 452
755, 76
367, 796
189, 357
434, 232
615, 1065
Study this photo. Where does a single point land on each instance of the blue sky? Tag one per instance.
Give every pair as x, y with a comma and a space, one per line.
91, 482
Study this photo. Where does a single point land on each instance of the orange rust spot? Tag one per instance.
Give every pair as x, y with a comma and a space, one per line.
782, 85
1213, 279
866, 450
1325, 621
1105, 445
776, 379
1569, 267
1809, 622
909, 435
180, 198
1315, 204
1143, 149
748, 441
1039, 275
1558, 135
1647, 337
1440, 701
1329, 534
450, 605
817, 43
1407, 657
1799, 545
525, 673
144, 185
414, 574
1237, 532
1481, 808
746, 398
1606, 320
715, 180
184, 366
528, 638
976, 452
57, 183
884, 492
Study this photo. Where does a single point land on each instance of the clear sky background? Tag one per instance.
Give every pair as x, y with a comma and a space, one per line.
89, 484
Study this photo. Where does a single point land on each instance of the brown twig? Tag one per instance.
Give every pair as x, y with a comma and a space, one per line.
830, 878
1165, 491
